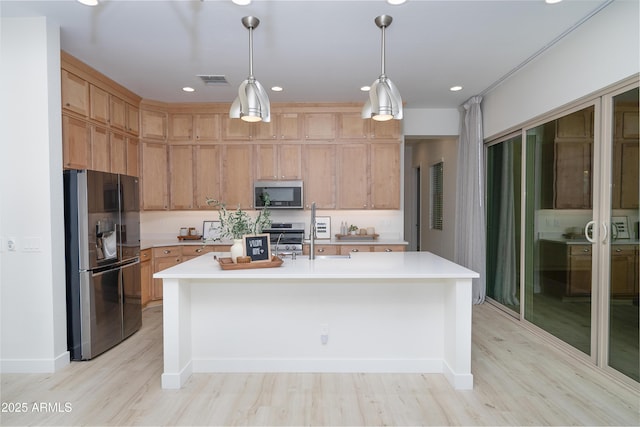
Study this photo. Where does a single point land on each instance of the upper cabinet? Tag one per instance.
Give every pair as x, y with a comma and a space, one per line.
194, 128
352, 126
99, 104
319, 126
75, 93
154, 124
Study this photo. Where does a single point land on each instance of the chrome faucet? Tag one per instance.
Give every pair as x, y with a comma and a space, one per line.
312, 232
278, 243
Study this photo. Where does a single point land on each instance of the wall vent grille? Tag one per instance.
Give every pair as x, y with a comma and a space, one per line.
214, 80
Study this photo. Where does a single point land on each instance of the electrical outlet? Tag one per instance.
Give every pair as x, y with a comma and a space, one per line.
324, 333
11, 244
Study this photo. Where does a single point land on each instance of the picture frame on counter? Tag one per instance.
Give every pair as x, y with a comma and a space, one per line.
323, 227
211, 230
257, 247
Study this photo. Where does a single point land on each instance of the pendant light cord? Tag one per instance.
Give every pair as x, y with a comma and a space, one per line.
250, 52
383, 58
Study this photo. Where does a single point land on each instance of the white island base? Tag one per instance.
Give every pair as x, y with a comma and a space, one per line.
376, 312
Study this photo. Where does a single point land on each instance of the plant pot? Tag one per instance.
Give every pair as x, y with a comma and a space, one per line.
236, 249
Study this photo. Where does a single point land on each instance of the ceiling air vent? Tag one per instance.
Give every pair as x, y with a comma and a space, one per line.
214, 80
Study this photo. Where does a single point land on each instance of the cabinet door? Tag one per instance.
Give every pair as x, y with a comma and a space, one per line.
146, 276
207, 127
289, 126
322, 249
623, 270
162, 264
353, 182
579, 270
575, 125
573, 175
385, 176
181, 176
100, 151
154, 124
75, 143
629, 176
118, 150
133, 119
99, 104
207, 165
389, 129
320, 126
265, 130
266, 161
290, 161
117, 113
347, 249
320, 176
352, 126
154, 176
180, 127
133, 156
75, 93
235, 129
388, 248
237, 176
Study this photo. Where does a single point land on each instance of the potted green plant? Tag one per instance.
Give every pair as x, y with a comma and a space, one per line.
353, 229
235, 224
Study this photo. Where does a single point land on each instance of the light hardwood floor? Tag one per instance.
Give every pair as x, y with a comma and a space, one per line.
519, 380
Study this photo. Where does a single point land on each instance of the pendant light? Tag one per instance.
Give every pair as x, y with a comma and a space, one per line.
385, 102
252, 103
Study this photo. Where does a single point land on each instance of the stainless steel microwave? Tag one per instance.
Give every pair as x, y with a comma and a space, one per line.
281, 194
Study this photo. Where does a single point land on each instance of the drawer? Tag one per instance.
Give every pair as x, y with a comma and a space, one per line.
321, 249
145, 255
192, 250
167, 251
347, 249
623, 250
580, 250
388, 248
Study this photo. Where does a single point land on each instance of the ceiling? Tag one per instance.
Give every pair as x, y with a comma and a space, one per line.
318, 51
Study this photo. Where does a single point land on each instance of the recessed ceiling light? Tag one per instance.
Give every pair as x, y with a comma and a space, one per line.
277, 89
89, 2
188, 89
552, 1
455, 88
396, 2
241, 2
365, 88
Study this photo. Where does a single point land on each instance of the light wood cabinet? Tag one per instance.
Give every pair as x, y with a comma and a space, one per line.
236, 129
154, 176
322, 249
389, 248
265, 130
133, 156
180, 127
207, 127
390, 129
353, 176
237, 176
320, 175
100, 149
146, 276
289, 127
385, 176
625, 157
278, 161
208, 162
624, 270
573, 175
163, 258
99, 104
117, 113
319, 126
75, 93
133, 119
118, 153
75, 143
192, 251
347, 249
352, 126
181, 176
154, 124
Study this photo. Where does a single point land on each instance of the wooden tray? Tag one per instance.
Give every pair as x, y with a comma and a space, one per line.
189, 237
356, 236
228, 264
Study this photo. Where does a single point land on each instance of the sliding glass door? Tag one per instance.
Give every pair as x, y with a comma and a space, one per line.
562, 227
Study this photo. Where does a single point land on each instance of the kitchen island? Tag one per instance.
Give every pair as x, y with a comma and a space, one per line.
406, 312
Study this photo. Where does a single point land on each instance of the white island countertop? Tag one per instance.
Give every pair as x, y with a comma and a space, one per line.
403, 312
362, 265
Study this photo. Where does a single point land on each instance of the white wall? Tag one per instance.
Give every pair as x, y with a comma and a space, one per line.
32, 283
426, 153
602, 51
431, 122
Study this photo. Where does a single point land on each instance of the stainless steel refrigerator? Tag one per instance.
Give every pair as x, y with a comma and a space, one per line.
102, 249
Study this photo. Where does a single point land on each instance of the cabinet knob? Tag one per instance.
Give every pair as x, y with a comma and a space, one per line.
388, 250
355, 250
321, 250
199, 250
585, 250
167, 251
618, 250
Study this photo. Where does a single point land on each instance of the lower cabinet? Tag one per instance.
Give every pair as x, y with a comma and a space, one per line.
347, 249
146, 273
163, 258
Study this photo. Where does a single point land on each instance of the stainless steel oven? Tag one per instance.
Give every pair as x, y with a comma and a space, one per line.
286, 237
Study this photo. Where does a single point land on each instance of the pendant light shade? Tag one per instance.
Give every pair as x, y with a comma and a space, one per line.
385, 102
252, 103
